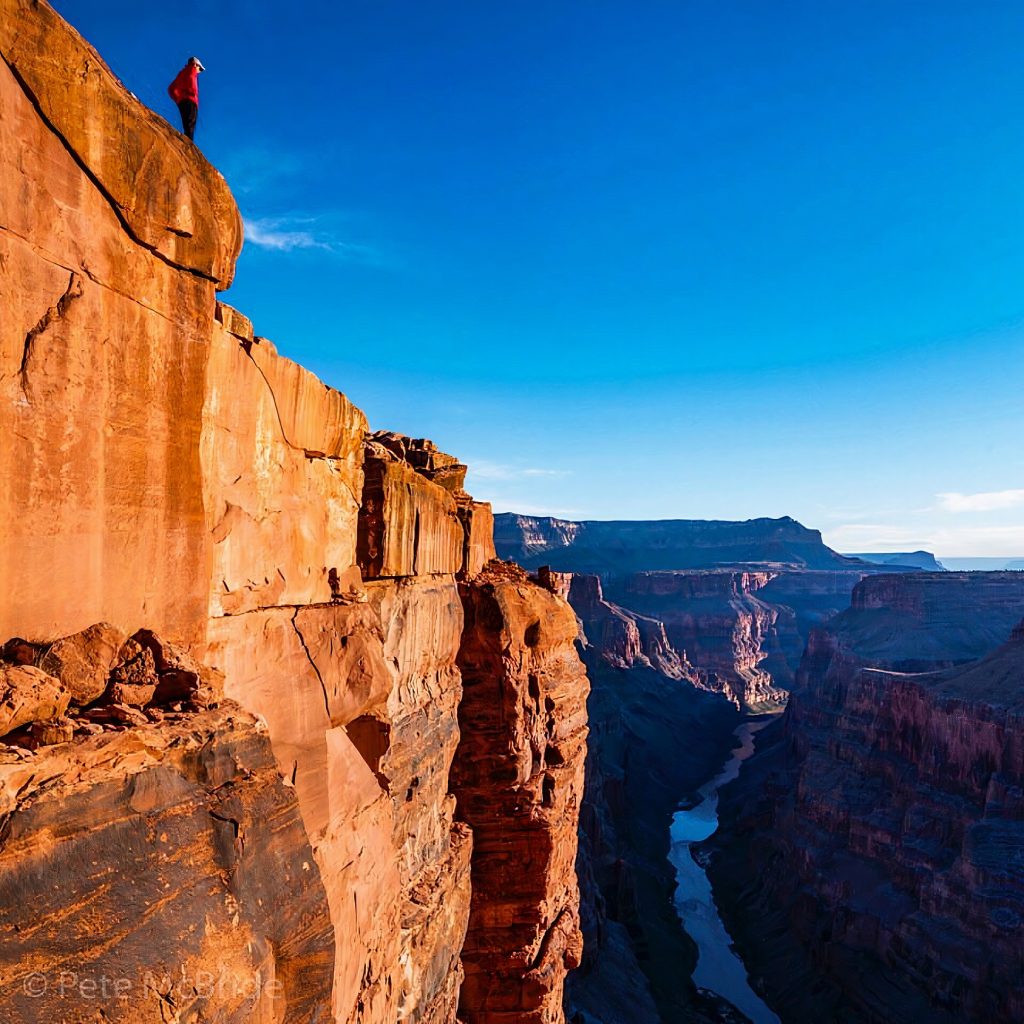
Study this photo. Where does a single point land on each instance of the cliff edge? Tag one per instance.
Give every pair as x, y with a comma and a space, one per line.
237, 675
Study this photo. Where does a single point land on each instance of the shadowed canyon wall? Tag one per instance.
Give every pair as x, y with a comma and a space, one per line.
238, 677
871, 858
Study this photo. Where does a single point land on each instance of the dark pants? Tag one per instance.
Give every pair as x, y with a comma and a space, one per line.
189, 112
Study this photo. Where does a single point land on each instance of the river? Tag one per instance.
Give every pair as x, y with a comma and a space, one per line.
719, 969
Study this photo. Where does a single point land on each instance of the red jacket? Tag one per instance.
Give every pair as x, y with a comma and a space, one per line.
186, 85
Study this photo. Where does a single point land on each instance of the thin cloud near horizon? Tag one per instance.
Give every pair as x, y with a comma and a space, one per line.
984, 501
485, 469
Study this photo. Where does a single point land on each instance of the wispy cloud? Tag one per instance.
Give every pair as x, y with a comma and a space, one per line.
255, 170
482, 469
288, 234
281, 235
986, 501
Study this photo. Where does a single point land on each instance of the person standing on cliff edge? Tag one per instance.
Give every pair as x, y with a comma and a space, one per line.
184, 90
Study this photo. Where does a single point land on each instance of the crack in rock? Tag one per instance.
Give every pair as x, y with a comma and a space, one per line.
56, 312
323, 685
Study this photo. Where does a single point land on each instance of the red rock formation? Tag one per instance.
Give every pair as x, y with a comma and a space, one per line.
518, 778
167, 469
880, 877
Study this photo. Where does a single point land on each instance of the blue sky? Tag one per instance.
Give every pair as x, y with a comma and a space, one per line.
714, 259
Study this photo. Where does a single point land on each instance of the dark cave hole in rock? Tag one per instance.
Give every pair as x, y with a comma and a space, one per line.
548, 791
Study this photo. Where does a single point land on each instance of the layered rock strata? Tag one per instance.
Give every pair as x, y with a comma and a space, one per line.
724, 628
871, 859
914, 622
187, 885
186, 511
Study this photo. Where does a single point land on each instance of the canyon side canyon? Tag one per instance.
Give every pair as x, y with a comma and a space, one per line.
294, 730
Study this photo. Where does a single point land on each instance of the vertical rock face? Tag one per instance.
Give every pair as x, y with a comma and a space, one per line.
871, 860
518, 778
103, 354
184, 507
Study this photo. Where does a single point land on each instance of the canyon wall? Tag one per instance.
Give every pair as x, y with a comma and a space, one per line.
676, 647
870, 862
242, 776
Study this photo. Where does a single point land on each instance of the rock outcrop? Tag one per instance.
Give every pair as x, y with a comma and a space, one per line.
622, 637
232, 697
724, 628
871, 859
518, 779
187, 885
914, 622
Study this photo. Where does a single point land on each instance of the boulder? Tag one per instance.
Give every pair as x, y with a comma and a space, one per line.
48, 734
179, 676
29, 695
19, 652
82, 661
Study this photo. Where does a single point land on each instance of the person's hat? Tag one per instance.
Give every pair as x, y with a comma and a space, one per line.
198, 63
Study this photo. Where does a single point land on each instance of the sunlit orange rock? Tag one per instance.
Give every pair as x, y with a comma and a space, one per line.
234, 620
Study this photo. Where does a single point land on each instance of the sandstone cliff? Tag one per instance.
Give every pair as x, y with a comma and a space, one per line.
233, 696
870, 861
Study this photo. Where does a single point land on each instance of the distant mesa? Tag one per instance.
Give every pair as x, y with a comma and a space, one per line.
909, 559
645, 545
727, 606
